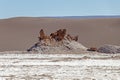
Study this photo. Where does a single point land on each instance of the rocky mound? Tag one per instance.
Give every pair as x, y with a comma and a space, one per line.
109, 49
57, 42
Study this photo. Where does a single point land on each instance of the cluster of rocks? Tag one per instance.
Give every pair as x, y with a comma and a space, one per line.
57, 36
58, 41
61, 42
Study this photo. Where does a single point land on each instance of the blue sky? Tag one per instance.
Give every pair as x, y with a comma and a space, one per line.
40, 8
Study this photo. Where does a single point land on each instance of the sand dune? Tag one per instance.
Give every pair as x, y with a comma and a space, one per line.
22, 32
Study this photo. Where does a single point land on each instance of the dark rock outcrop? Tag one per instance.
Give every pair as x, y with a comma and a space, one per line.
109, 49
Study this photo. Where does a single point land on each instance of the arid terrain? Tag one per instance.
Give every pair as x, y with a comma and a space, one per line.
74, 62
16, 65
21, 32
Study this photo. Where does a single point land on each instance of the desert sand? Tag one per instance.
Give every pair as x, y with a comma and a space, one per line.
21, 32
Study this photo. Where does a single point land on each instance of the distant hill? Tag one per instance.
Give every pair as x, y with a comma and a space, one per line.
85, 17
71, 17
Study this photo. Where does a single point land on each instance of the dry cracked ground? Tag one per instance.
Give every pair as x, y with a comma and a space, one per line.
84, 66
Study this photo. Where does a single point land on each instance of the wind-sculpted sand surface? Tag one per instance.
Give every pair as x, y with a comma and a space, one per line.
84, 66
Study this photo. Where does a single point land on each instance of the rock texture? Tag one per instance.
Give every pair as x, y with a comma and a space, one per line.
109, 49
92, 49
58, 41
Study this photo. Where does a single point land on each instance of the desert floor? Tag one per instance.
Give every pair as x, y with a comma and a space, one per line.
84, 66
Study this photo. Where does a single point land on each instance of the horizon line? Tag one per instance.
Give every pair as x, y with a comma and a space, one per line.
72, 16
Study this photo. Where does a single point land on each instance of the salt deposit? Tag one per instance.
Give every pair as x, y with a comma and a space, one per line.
82, 66
65, 46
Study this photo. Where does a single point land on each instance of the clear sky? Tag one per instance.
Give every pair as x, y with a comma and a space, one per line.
38, 8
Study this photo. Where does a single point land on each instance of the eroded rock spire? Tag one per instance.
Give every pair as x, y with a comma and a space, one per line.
56, 41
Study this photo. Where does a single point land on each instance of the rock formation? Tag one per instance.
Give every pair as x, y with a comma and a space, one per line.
92, 49
58, 41
109, 49
59, 35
